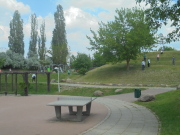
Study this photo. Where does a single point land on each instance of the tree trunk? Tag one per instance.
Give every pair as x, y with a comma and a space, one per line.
25, 91
127, 66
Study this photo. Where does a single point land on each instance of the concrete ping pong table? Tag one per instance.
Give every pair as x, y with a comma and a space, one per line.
71, 101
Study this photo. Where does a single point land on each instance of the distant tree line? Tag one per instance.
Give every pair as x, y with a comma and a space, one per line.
166, 48
37, 54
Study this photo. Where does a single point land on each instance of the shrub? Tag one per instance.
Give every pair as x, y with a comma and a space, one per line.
82, 61
23, 86
82, 71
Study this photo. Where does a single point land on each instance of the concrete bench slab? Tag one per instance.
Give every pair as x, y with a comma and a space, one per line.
70, 101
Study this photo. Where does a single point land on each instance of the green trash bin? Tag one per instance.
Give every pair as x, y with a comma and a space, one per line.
137, 93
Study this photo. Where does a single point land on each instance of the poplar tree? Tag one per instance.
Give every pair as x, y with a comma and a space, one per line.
59, 41
42, 42
34, 36
16, 37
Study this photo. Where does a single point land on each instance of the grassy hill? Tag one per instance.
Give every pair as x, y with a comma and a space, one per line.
162, 72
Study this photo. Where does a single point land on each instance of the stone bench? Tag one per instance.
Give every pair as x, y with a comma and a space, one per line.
73, 101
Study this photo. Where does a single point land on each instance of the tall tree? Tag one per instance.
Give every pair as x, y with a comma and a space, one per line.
34, 36
42, 42
59, 41
163, 12
16, 37
124, 38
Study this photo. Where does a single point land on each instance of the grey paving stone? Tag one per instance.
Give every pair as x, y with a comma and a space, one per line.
125, 119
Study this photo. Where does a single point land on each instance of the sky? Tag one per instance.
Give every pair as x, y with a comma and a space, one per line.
80, 15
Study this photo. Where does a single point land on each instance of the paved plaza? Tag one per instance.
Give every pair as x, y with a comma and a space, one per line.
111, 115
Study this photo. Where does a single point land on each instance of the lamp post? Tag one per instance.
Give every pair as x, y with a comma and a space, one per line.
58, 78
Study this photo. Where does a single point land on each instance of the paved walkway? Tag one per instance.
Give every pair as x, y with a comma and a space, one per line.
125, 118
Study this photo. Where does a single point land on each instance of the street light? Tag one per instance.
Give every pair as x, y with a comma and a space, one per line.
58, 78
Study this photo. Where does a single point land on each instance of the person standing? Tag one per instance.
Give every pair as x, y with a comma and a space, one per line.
149, 61
157, 57
69, 72
33, 77
173, 60
145, 57
143, 64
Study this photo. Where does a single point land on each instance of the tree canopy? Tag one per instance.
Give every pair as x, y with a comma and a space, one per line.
59, 42
98, 60
82, 61
16, 37
42, 42
34, 36
2, 62
32, 62
124, 38
163, 12
12, 59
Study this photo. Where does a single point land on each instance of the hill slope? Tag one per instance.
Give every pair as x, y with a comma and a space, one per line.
162, 72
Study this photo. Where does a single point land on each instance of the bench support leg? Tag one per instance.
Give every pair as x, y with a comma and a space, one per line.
71, 112
79, 113
58, 112
88, 109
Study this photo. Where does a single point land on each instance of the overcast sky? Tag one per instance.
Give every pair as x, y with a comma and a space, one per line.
80, 15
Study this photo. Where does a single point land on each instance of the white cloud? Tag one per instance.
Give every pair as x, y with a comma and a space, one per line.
106, 4
27, 29
7, 8
77, 18
165, 29
77, 41
3, 32
78, 24
13, 5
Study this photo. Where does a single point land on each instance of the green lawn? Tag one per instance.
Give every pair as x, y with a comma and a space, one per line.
162, 72
64, 90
